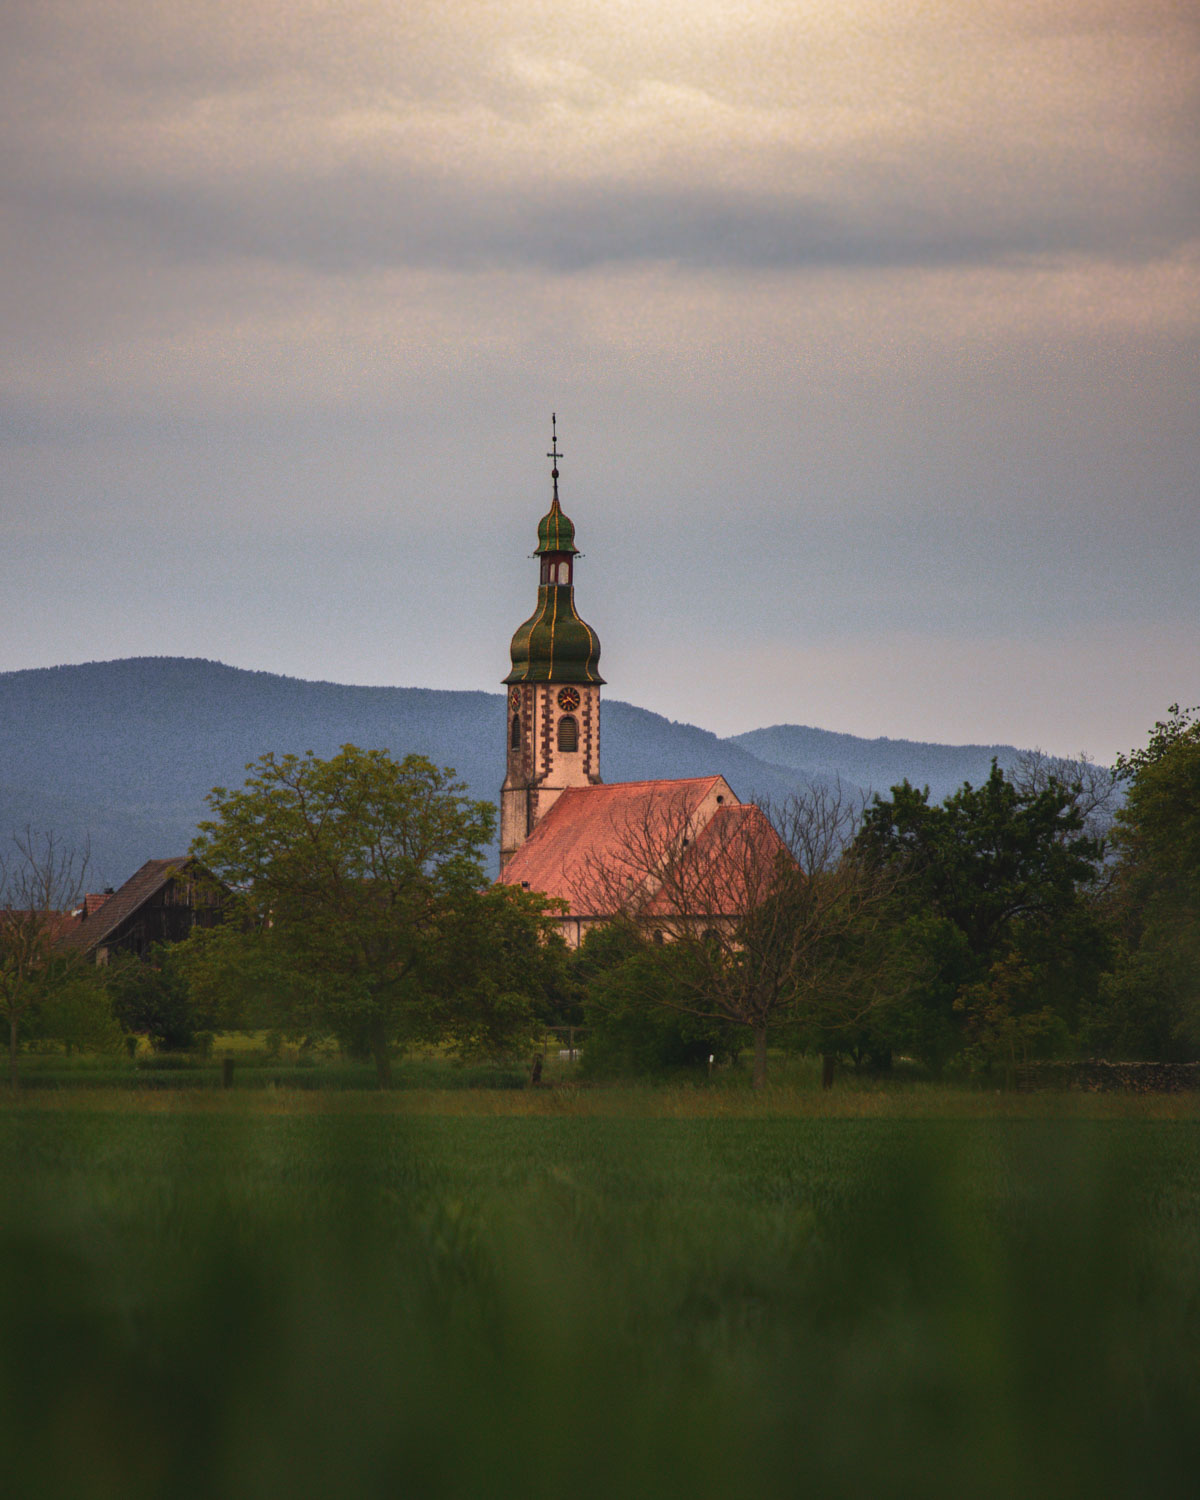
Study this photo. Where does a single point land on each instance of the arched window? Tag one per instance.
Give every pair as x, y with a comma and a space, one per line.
564, 572
514, 738
658, 937
568, 732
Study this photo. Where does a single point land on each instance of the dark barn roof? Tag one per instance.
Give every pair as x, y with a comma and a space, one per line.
89, 934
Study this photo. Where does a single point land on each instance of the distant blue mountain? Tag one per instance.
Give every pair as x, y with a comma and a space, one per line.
124, 752
877, 765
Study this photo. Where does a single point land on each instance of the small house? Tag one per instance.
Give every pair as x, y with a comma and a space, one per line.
161, 903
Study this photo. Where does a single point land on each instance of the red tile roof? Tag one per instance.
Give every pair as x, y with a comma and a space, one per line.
57, 923
601, 848
727, 870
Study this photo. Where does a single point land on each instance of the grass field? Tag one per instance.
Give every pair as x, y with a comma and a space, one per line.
695, 1292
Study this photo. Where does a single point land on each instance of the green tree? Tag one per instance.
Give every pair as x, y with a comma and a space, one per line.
638, 1002
42, 992
497, 974
365, 912
994, 921
1151, 1002
153, 997
774, 915
76, 1008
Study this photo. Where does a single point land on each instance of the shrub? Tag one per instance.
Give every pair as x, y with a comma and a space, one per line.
641, 1023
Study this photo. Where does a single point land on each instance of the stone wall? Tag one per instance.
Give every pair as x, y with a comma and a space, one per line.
1097, 1076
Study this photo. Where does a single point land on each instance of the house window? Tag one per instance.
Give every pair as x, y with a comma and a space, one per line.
568, 732
658, 937
514, 738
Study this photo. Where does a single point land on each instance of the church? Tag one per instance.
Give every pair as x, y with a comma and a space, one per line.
668, 853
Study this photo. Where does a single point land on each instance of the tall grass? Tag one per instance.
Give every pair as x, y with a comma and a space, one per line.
256, 1068
216, 1301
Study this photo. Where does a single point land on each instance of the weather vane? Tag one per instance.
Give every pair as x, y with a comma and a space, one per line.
554, 454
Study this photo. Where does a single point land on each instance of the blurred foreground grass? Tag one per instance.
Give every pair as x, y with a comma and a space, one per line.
302, 1297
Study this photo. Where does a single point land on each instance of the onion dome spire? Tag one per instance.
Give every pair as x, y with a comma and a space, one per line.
556, 533
554, 644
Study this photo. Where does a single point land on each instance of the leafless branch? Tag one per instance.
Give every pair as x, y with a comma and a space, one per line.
41, 873
1095, 789
41, 881
772, 906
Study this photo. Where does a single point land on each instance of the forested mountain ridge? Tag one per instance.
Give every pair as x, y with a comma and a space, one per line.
124, 752
876, 763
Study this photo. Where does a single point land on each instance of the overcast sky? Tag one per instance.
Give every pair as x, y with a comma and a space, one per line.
872, 327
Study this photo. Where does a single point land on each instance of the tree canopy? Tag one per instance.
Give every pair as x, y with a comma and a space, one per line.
1152, 999
769, 913
366, 912
992, 911
43, 992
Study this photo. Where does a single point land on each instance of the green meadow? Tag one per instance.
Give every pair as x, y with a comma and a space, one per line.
690, 1291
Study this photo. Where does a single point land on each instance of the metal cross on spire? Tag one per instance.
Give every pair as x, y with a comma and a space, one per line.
554, 454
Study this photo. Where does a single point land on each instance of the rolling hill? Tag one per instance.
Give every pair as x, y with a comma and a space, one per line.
876, 764
123, 752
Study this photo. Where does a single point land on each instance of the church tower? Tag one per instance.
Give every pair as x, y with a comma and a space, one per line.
553, 725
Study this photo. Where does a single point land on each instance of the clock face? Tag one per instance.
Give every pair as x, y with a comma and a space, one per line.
514, 699
568, 699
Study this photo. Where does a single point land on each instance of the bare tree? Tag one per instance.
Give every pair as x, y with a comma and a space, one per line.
41, 881
773, 911
1095, 790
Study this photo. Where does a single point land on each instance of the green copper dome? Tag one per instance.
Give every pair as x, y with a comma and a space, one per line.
556, 533
554, 644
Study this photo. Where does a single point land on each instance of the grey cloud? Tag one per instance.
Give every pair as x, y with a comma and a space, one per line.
363, 220
137, 56
1124, 187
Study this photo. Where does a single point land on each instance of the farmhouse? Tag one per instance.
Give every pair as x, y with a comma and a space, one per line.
161, 903
668, 853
